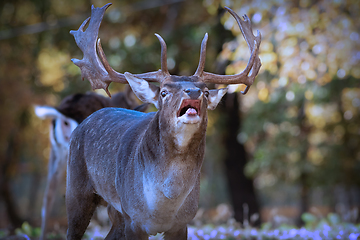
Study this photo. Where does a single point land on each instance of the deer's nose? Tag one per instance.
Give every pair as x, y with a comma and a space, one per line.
193, 93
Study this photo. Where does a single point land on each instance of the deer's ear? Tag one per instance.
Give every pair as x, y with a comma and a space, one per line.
146, 92
215, 97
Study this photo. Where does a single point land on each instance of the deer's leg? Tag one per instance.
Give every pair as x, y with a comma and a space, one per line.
177, 235
122, 227
132, 231
81, 199
56, 172
117, 230
48, 201
80, 208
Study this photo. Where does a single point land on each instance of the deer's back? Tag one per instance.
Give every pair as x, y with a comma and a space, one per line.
103, 131
95, 143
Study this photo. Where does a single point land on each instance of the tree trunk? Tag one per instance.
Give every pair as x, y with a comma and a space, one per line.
5, 192
303, 179
242, 192
304, 198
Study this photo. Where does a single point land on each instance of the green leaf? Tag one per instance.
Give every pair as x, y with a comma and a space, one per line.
308, 218
3, 234
26, 228
333, 218
266, 226
36, 232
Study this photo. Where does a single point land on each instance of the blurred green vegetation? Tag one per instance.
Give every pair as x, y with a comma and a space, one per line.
301, 123
300, 118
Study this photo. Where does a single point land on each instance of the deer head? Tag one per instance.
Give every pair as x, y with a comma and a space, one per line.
145, 166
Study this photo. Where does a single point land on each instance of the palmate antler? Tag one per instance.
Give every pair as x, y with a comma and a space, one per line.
95, 67
97, 70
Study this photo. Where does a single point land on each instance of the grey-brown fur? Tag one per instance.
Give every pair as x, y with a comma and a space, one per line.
134, 162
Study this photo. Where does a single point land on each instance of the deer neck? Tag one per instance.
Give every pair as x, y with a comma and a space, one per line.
174, 156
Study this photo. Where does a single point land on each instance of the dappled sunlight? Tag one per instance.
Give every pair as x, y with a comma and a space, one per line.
50, 62
313, 43
305, 102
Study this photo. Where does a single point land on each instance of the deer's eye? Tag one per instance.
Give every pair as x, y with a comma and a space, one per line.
206, 93
163, 93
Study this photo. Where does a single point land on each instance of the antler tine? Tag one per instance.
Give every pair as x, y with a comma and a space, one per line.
200, 69
82, 27
248, 75
95, 67
107, 67
90, 65
164, 68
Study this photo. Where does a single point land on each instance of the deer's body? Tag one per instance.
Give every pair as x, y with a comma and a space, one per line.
152, 169
145, 166
167, 178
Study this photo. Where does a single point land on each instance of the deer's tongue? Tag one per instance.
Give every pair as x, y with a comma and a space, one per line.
191, 111
189, 108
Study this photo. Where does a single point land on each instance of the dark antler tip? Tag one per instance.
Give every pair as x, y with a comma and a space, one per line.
107, 5
77, 62
107, 91
230, 10
258, 34
159, 37
204, 41
82, 27
246, 90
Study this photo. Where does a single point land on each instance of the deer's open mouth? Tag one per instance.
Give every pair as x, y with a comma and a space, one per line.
189, 108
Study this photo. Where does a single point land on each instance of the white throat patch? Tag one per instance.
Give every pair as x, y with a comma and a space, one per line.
184, 133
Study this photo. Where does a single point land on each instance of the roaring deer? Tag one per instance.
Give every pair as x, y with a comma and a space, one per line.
146, 166
71, 111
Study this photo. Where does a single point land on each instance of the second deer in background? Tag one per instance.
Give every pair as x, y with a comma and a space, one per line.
72, 110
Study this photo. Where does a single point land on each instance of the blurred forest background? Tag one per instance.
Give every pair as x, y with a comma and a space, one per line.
291, 145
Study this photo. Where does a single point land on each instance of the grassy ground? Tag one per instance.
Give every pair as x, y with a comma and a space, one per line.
332, 226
